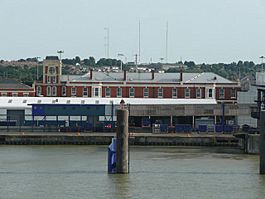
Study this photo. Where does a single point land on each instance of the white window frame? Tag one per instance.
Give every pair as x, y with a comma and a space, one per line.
53, 79
25, 94
132, 92
119, 92
174, 93
187, 92
73, 91
198, 93
96, 91
85, 91
39, 90
146, 92
48, 79
54, 91
160, 93
63, 90
207, 93
107, 92
4, 94
49, 91
14, 94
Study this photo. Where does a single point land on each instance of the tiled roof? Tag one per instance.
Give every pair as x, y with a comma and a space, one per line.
12, 84
158, 77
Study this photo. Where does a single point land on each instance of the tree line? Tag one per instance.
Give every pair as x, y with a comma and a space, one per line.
30, 69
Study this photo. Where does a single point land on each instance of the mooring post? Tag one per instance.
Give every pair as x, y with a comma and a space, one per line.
262, 142
122, 158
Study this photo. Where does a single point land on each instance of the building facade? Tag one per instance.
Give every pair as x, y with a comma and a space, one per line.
13, 88
134, 85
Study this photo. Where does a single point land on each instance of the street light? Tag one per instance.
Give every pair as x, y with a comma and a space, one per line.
262, 58
60, 52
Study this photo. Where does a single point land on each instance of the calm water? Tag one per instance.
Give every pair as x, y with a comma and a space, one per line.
59, 172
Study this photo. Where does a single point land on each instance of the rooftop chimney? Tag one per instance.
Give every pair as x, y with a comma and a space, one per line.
153, 74
124, 75
181, 75
91, 74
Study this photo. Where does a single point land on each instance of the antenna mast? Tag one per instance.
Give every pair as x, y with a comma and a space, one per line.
166, 43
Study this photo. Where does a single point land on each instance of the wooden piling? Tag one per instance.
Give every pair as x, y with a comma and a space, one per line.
122, 158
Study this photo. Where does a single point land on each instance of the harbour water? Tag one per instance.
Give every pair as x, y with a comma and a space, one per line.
61, 172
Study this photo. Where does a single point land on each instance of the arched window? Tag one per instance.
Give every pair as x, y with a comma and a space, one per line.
38, 90
54, 91
48, 91
63, 90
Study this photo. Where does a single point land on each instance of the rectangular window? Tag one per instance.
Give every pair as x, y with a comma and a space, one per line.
198, 93
14, 94
210, 93
63, 91
233, 93
187, 93
85, 91
131, 92
4, 94
222, 93
73, 91
174, 93
146, 92
119, 92
49, 79
160, 93
107, 92
53, 80
25, 94
96, 92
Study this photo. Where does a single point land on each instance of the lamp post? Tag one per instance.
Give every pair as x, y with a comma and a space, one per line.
37, 71
60, 52
262, 58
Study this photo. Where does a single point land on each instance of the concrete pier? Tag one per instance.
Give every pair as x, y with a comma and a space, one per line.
262, 142
122, 158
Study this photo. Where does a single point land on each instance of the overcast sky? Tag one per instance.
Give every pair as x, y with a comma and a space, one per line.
207, 31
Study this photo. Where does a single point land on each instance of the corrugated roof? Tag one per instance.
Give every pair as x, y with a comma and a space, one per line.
24, 102
158, 77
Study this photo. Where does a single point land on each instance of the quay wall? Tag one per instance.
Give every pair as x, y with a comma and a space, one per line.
105, 139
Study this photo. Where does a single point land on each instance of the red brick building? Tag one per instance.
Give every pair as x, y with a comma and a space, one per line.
11, 87
134, 85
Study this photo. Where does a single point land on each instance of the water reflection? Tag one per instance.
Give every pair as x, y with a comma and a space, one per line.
121, 185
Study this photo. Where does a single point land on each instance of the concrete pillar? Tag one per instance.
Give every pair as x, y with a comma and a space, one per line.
122, 156
193, 121
171, 120
262, 142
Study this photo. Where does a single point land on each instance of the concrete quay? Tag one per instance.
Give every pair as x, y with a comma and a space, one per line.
172, 139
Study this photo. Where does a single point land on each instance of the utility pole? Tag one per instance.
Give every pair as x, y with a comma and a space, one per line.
107, 42
139, 50
136, 62
166, 58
